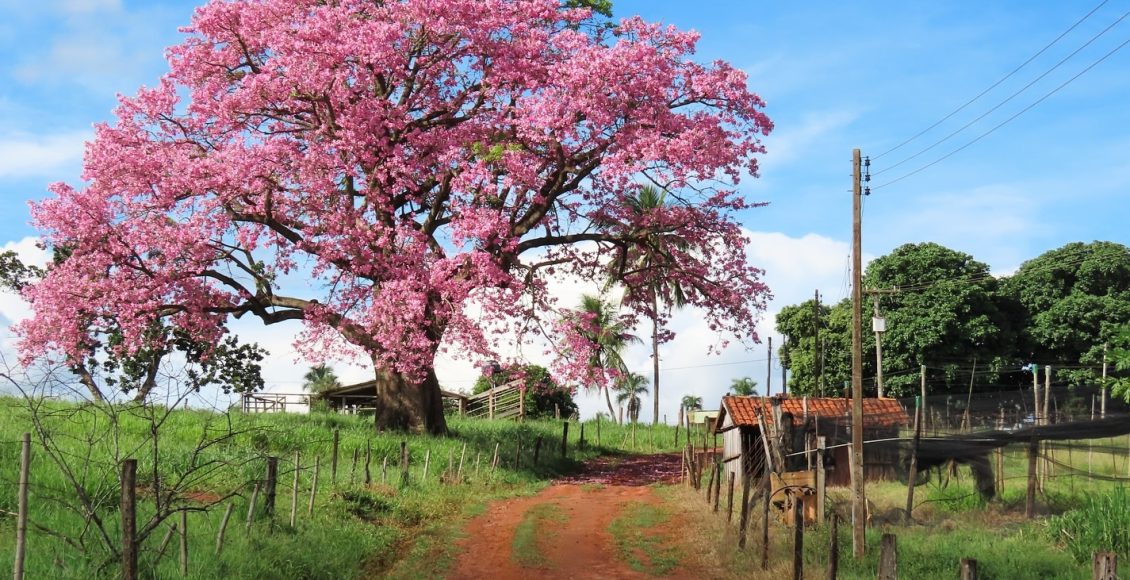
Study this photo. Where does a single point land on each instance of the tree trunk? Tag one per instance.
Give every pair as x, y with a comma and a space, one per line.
405, 405
655, 357
608, 398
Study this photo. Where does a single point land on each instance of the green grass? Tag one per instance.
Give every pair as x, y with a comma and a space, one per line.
1101, 524
380, 529
531, 532
639, 544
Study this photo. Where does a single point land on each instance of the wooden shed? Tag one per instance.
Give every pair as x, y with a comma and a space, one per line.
797, 422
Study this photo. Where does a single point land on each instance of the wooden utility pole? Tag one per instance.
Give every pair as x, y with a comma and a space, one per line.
858, 495
1036, 393
1102, 402
878, 326
769, 370
817, 360
925, 409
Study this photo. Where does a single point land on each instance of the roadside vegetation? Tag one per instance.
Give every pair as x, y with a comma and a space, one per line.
384, 527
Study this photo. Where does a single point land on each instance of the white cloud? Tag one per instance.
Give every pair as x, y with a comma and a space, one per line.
13, 308
32, 155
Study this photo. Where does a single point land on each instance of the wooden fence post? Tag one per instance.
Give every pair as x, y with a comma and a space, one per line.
888, 558
272, 484
677, 425
913, 474
21, 510
518, 454
710, 485
765, 497
834, 548
333, 458
459, 473
353, 467
223, 528
251, 505
564, 438
730, 499
294, 489
1105, 566
184, 543
581, 441
494, 459
427, 463
717, 483
821, 478
598, 430
1030, 499
314, 485
743, 521
968, 569
368, 458
404, 464
537, 448
798, 540
129, 521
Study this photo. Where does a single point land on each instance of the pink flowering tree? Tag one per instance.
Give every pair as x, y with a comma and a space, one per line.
423, 167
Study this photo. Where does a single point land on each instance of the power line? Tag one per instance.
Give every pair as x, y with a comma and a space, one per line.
994, 85
1008, 120
1009, 98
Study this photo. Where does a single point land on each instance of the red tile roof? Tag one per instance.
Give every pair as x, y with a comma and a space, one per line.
876, 412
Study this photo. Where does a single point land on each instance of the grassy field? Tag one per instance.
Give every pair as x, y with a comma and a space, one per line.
1082, 508
386, 527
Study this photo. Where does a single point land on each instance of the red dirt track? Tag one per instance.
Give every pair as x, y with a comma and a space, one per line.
581, 545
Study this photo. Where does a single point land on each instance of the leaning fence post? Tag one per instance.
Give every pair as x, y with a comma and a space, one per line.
1104, 566
968, 569
223, 528
333, 458
21, 522
564, 438
798, 539
459, 472
717, 483
888, 558
730, 499
294, 489
272, 482
129, 520
314, 485
743, 522
834, 548
404, 463
427, 463
251, 506
184, 543
710, 485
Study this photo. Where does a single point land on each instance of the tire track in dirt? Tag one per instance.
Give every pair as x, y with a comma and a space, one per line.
580, 546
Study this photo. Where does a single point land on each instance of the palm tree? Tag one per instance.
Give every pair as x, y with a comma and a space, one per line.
320, 378
744, 387
692, 403
648, 258
598, 323
629, 388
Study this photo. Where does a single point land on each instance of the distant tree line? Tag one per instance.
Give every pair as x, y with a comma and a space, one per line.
945, 310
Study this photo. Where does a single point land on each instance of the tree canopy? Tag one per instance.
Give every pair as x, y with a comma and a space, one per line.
1074, 300
946, 310
426, 168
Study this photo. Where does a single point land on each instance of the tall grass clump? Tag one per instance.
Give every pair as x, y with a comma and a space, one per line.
1102, 523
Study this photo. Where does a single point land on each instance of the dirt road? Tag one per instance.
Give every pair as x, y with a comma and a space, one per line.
607, 522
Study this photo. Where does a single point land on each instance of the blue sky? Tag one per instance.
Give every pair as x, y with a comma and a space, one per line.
835, 75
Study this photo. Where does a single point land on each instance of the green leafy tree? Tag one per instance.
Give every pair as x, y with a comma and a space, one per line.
744, 387
1073, 299
320, 378
805, 357
692, 403
1120, 356
628, 391
544, 397
945, 315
